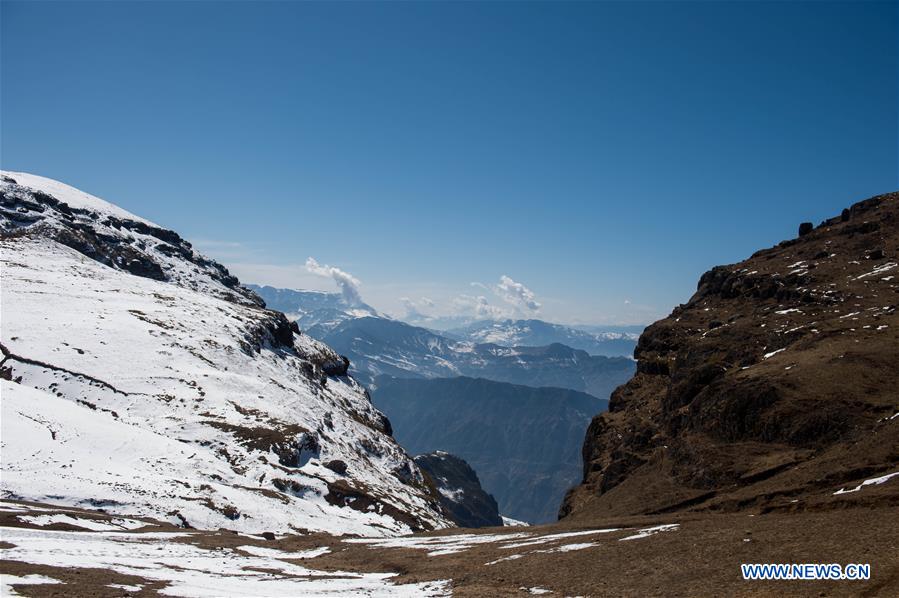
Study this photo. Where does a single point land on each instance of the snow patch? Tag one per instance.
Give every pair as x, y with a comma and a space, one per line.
649, 531
7, 581
193, 571
89, 524
871, 482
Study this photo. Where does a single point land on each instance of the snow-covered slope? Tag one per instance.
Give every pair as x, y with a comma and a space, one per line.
143, 379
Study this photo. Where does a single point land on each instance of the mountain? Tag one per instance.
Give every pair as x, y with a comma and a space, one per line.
460, 490
773, 388
524, 442
535, 333
385, 346
379, 345
139, 377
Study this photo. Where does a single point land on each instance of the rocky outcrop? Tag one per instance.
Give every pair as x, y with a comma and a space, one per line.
459, 490
115, 240
771, 388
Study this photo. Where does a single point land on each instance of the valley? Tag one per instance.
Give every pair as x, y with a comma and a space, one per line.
175, 436
516, 413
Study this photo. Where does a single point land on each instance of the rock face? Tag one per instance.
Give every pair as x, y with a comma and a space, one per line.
524, 442
460, 490
773, 388
141, 378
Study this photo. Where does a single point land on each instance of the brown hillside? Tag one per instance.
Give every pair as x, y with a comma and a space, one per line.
774, 387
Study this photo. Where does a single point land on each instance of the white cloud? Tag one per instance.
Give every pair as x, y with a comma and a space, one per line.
478, 307
412, 311
348, 284
517, 295
415, 309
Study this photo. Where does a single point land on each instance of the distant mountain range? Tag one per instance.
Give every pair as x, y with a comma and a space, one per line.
535, 333
524, 442
378, 345
316, 312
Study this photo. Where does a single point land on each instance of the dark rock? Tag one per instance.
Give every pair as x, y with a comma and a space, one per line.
342, 494
337, 367
337, 466
280, 329
144, 267
268, 536
875, 254
459, 490
384, 424
805, 228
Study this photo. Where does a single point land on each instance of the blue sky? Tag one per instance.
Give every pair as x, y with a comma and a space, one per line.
602, 154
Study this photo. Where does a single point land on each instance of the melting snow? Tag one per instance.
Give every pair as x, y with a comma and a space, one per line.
773, 353
282, 554
8, 580
90, 524
509, 522
562, 536
126, 587
878, 270
871, 482
196, 572
649, 531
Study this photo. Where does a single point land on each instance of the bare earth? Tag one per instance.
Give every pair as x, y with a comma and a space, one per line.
677, 555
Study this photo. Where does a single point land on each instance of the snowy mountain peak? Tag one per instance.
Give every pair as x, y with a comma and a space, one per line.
140, 377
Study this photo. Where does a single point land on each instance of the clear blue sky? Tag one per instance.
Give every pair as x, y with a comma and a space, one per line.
602, 154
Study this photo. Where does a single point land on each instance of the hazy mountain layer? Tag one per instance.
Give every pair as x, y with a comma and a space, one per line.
536, 333
523, 442
379, 345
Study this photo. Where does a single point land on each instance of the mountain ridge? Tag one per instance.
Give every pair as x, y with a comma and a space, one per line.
378, 345
772, 388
